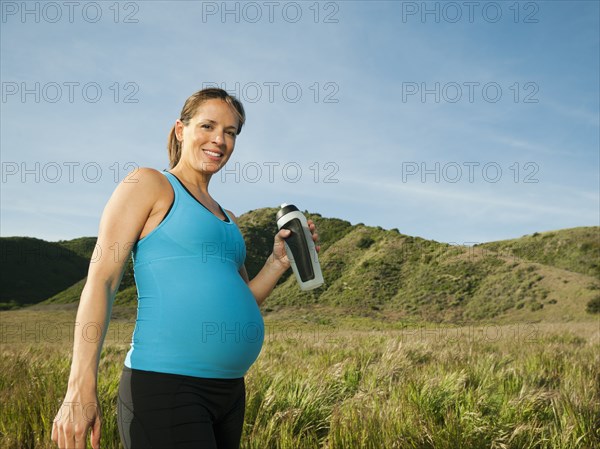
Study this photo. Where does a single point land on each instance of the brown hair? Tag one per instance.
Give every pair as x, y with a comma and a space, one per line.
189, 110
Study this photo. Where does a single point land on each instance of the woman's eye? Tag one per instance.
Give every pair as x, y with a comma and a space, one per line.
206, 126
231, 133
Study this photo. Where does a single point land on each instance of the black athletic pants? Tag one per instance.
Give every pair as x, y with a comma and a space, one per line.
170, 411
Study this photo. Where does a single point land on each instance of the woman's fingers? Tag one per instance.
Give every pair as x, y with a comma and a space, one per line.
65, 441
72, 423
58, 434
312, 227
79, 440
96, 434
70, 437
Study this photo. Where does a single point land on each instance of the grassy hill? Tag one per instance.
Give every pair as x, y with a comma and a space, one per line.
31, 270
35, 271
83, 246
370, 271
576, 249
376, 272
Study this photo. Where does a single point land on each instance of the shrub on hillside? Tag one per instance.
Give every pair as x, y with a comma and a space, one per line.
593, 305
365, 242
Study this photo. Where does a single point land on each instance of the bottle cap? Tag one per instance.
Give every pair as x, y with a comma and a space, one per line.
285, 209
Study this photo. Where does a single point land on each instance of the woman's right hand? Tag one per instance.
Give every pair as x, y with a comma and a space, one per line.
78, 413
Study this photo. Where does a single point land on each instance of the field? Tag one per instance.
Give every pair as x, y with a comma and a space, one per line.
341, 383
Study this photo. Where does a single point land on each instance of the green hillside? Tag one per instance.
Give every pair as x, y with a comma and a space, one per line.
83, 246
370, 271
126, 295
576, 249
376, 272
31, 270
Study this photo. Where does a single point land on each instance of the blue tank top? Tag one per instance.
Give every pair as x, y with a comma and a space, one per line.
196, 315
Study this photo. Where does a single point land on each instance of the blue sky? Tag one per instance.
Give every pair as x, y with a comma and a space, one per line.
454, 124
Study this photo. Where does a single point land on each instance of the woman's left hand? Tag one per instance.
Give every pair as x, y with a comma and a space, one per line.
279, 255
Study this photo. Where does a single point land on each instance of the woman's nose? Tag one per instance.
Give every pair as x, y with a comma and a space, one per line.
218, 137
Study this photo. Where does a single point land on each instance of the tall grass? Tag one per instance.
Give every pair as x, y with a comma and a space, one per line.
471, 388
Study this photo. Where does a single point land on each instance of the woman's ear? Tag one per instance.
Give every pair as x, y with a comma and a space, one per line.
179, 130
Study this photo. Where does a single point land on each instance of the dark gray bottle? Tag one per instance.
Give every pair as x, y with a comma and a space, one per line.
300, 247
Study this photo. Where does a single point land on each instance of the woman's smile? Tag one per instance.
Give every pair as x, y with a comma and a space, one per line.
213, 155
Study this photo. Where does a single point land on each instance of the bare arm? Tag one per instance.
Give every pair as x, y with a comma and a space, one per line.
264, 282
277, 263
122, 221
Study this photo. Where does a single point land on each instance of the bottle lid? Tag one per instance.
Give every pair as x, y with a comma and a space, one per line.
285, 209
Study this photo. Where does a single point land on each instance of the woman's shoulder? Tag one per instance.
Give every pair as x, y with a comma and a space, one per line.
148, 172
139, 193
143, 181
146, 177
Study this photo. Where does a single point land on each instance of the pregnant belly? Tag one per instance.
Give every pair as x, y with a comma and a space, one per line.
201, 324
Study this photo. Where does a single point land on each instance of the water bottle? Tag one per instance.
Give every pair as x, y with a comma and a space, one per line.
300, 247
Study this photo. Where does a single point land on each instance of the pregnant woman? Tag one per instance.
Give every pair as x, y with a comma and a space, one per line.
198, 327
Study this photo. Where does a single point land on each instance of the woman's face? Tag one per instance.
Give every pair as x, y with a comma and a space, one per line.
209, 138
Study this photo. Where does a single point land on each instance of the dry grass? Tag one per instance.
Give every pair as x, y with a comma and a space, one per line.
316, 386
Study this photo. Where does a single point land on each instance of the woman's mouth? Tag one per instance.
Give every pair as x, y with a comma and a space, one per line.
215, 155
